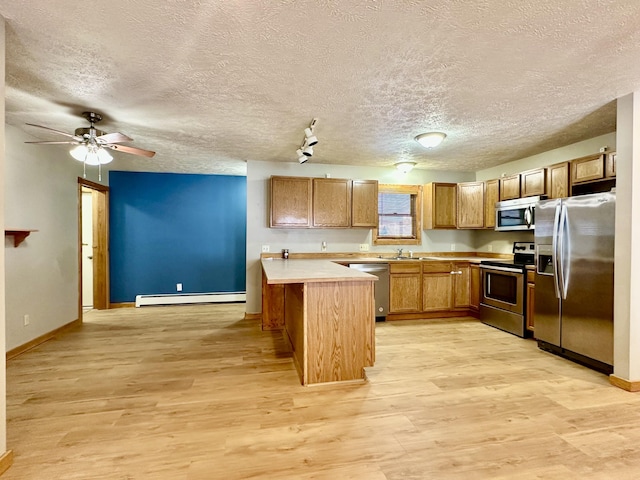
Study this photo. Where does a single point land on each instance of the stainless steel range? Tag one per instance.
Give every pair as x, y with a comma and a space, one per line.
503, 297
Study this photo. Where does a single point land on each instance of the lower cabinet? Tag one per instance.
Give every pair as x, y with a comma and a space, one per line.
531, 290
405, 287
430, 287
474, 286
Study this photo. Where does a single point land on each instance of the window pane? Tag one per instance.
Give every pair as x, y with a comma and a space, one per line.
394, 203
396, 226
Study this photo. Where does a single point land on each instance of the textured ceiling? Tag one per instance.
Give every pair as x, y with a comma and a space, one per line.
212, 84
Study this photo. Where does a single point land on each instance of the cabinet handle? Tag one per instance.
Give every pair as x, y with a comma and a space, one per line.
452, 272
459, 272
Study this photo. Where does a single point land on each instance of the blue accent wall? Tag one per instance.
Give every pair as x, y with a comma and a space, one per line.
170, 228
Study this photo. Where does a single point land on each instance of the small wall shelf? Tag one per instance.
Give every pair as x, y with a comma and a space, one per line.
18, 235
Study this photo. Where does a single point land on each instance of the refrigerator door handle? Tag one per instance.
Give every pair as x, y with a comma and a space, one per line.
562, 233
554, 251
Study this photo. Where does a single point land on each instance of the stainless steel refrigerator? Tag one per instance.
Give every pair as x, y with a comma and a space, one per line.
573, 309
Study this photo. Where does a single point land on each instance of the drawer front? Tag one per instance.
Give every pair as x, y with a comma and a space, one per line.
407, 266
437, 267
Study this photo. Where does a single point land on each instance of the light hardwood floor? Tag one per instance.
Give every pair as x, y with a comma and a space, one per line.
197, 392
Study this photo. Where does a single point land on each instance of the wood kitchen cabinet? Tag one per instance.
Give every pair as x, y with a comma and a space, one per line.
611, 165
439, 206
588, 169
491, 196
470, 205
510, 187
533, 182
405, 287
290, 202
445, 286
474, 287
437, 286
558, 176
331, 202
364, 203
531, 290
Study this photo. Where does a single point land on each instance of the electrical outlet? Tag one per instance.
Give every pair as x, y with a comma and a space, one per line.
453, 247
178, 287
364, 247
324, 246
489, 248
265, 248
26, 320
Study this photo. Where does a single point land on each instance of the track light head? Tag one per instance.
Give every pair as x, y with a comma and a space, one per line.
310, 138
307, 150
303, 159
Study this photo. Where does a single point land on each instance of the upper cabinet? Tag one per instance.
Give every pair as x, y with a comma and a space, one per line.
290, 205
470, 205
439, 205
558, 176
364, 203
331, 202
510, 187
491, 196
587, 169
303, 202
611, 164
533, 182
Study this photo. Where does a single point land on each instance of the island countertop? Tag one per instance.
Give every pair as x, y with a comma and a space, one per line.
279, 271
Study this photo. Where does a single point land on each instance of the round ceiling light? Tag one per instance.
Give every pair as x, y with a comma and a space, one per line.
405, 167
430, 139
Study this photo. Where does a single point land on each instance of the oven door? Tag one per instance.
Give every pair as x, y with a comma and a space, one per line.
503, 288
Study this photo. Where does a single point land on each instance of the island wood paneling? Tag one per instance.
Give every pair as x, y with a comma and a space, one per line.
295, 326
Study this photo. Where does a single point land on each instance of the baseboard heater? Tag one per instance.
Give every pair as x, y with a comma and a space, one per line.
181, 298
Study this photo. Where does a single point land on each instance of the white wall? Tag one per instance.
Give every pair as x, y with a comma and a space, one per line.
42, 273
3, 370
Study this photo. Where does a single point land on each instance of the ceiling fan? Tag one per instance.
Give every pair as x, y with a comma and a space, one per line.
91, 142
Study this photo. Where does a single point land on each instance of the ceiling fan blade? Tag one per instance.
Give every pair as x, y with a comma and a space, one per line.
133, 150
115, 137
57, 131
57, 143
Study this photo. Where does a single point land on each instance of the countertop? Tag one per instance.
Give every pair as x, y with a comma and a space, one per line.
282, 271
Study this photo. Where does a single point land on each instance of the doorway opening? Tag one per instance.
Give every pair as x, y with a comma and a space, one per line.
93, 246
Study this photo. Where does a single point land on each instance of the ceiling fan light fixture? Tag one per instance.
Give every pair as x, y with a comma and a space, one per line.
430, 139
79, 152
405, 167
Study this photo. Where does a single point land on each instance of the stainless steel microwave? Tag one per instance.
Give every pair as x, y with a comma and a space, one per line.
518, 214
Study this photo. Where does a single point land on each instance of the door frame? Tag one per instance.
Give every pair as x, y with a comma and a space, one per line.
100, 220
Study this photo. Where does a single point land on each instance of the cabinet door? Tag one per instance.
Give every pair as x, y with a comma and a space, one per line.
364, 203
611, 164
533, 182
531, 290
331, 202
461, 285
439, 205
437, 286
510, 187
405, 293
470, 205
491, 196
474, 287
290, 205
558, 180
587, 169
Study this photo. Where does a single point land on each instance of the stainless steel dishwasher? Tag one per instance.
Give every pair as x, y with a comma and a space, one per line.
380, 288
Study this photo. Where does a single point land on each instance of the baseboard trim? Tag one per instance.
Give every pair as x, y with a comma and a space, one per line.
123, 305
253, 316
430, 315
6, 460
14, 352
627, 385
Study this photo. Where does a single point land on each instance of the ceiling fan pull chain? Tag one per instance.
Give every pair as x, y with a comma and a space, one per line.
99, 172
84, 169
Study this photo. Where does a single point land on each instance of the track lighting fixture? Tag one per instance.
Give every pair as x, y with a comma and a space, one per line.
306, 149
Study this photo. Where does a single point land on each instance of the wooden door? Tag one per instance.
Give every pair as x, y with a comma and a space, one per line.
491, 196
533, 182
558, 180
364, 203
331, 202
587, 169
510, 187
474, 286
290, 205
440, 206
461, 285
437, 286
470, 205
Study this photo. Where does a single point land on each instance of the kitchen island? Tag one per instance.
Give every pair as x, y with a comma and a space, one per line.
326, 312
